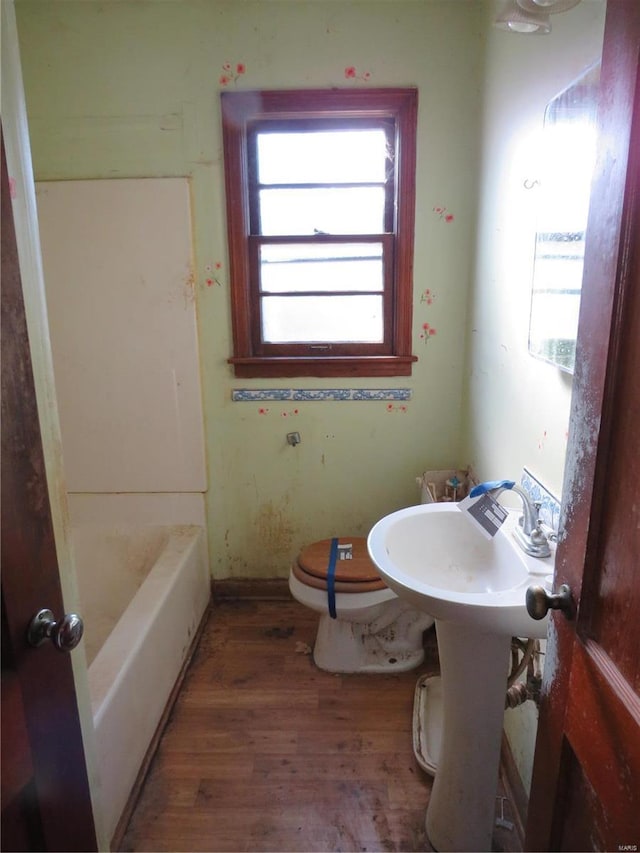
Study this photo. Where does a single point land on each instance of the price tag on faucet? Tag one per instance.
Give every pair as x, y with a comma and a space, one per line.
486, 513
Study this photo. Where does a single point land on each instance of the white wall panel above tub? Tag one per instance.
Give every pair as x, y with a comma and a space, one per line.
118, 268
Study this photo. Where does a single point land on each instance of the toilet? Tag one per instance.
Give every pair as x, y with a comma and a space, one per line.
371, 630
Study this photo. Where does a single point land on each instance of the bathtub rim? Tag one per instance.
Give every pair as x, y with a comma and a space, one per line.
103, 684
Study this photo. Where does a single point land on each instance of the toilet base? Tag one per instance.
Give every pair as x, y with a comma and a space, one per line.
343, 646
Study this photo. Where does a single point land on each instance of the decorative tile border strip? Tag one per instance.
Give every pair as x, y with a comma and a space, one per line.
381, 394
246, 395
549, 504
329, 394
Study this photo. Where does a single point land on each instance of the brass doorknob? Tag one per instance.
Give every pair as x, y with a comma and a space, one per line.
65, 634
539, 601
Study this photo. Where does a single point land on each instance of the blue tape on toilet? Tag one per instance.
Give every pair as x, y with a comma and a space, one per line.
331, 578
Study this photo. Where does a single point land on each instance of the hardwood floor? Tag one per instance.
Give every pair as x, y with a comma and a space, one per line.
263, 751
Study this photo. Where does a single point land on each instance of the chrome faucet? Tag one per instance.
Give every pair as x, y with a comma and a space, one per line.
528, 534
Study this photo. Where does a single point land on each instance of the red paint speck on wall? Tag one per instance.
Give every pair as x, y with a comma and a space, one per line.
230, 74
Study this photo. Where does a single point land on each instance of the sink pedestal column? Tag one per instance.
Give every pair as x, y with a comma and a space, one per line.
474, 668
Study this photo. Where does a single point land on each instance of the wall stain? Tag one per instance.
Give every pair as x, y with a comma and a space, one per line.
274, 530
189, 287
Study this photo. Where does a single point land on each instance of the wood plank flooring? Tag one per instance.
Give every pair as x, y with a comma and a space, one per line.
265, 752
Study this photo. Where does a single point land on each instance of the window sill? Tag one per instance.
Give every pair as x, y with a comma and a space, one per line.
388, 365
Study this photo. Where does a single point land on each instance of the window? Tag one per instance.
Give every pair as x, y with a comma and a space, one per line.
320, 211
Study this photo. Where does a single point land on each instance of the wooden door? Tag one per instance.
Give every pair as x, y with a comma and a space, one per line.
45, 792
586, 782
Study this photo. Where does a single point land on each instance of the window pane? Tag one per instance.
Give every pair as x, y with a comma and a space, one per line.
326, 266
336, 319
331, 157
358, 210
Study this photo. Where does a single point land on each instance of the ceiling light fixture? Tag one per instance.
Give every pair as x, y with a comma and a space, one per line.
516, 19
551, 7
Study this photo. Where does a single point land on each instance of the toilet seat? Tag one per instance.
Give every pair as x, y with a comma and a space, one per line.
358, 574
363, 625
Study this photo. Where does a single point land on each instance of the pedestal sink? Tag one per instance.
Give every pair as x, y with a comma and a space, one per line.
433, 556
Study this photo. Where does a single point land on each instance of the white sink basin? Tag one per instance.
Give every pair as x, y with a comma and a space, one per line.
475, 588
435, 557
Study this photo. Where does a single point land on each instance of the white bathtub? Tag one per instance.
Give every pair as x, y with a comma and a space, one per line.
144, 591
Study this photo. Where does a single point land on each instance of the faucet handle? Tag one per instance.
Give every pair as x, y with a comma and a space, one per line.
538, 506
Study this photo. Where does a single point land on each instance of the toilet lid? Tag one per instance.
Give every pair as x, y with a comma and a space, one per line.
314, 560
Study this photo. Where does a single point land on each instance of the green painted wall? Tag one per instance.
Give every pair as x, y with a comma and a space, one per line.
517, 407
130, 88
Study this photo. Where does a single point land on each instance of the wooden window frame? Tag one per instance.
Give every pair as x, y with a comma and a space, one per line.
239, 111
